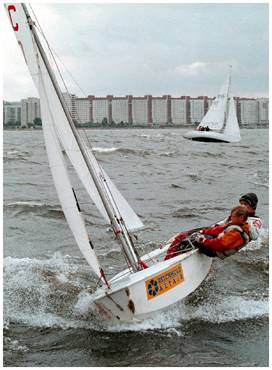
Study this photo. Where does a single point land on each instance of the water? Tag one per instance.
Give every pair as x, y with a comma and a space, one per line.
174, 185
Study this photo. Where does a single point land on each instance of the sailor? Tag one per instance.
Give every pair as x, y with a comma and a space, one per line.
250, 201
224, 240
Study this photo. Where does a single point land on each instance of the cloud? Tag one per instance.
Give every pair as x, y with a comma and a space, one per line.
149, 48
193, 70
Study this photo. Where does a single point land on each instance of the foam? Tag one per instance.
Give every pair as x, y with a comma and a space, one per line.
104, 150
52, 293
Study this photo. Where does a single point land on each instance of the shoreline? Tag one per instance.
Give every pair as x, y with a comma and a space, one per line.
133, 127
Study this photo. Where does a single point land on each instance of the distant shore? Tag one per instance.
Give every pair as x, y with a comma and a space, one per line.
130, 127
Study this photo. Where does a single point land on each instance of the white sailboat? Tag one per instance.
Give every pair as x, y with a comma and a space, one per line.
139, 290
220, 122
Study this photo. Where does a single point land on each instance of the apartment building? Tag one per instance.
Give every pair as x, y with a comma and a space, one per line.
70, 101
180, 110
144, 110
263, 110
197, 109
140, 110
120, 109
248, 112
159, 110
30, 111
100, 110
12, 112
82, 111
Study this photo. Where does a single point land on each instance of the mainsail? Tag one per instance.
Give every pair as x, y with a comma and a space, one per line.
59, 134
216, 116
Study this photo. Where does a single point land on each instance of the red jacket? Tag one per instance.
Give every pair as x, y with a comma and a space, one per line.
224, 239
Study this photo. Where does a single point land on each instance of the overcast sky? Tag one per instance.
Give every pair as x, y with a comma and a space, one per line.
139, 49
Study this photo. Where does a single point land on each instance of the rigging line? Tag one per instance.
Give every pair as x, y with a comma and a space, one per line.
52, 53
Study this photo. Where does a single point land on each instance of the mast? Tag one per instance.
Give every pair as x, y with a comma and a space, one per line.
117, 223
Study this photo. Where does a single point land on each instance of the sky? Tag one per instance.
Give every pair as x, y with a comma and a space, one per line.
148, 48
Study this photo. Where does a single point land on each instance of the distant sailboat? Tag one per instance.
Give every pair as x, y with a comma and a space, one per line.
149, 283
220, 122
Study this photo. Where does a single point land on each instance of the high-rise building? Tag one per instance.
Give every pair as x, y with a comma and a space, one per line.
160, 110
197, 109
100, 110
263, 110
82, 111
180, 110
12, 112
249, 111
139, 107
30, 111
120, 109
70, 101
145, 110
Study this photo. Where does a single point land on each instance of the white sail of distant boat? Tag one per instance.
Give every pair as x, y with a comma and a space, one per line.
137, 291
232, 129
220, 122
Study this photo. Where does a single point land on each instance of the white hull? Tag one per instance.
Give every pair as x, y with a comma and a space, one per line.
133, 297
211, 136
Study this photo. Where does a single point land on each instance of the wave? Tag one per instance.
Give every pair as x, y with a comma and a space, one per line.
150, 136
228, 309
266, 185
57, 292
168, 154
16, 155
190, 212
204, 154
176, 186
124, 151
39, 208
105, 150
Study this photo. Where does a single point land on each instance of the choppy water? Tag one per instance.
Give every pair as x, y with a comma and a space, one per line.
173, 184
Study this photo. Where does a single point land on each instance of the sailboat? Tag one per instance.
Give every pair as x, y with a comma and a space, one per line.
220, 122
148, 283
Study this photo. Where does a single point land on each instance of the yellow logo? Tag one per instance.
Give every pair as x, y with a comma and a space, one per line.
165, 281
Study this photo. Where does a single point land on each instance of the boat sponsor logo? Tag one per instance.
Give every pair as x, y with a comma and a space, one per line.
165, 281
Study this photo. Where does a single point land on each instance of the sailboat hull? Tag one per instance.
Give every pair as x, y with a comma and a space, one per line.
136, 296
210, 136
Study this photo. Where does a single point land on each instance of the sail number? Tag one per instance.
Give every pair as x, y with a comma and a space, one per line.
14, 26
164, 282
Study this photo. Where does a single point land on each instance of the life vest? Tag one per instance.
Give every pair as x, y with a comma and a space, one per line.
230, 252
